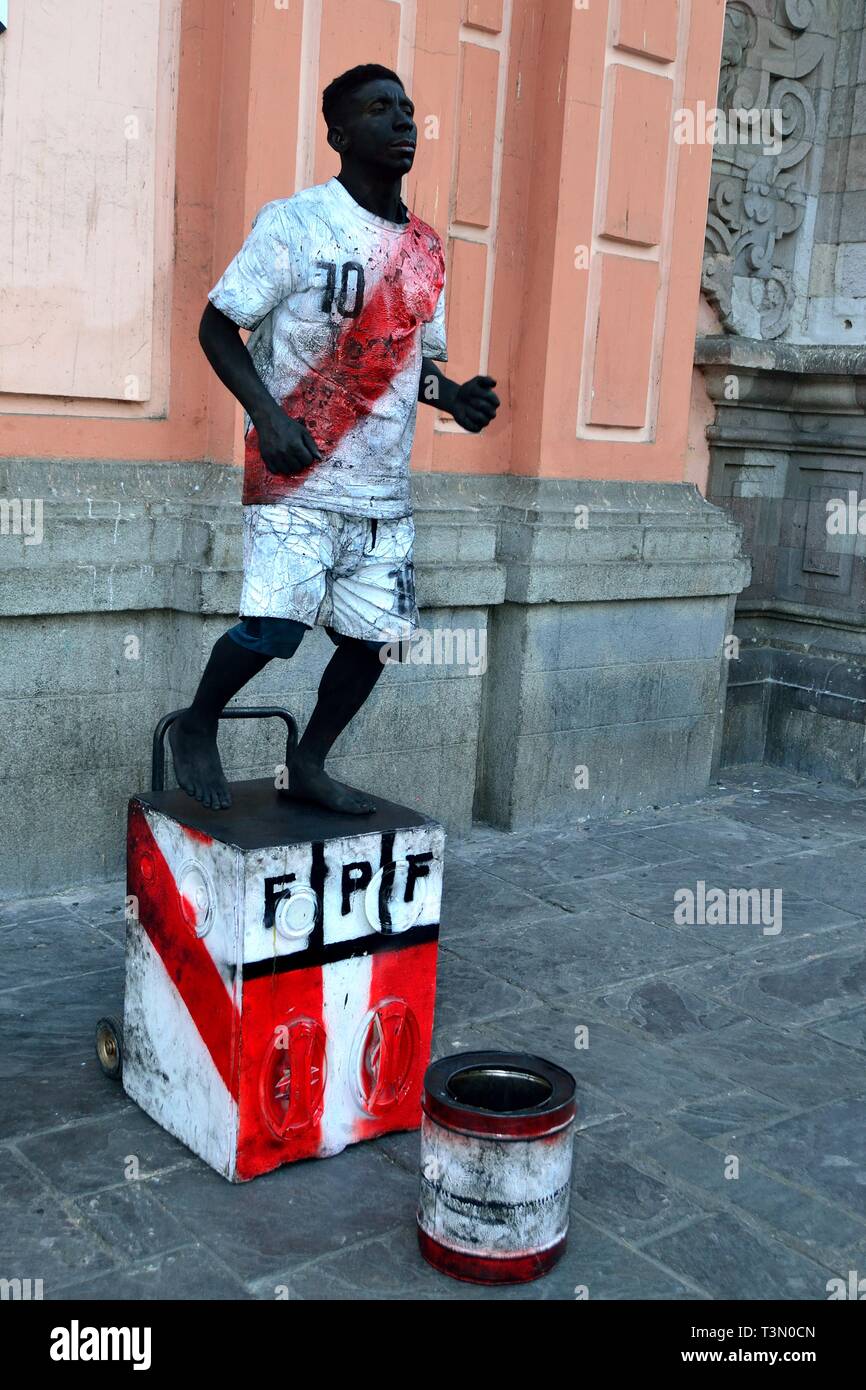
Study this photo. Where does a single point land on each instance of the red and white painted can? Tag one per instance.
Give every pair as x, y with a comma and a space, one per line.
497, 1137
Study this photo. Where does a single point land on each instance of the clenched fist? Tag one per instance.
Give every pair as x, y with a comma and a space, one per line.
286, 445
475, 403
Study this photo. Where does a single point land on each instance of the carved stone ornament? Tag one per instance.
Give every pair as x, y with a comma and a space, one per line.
757, 199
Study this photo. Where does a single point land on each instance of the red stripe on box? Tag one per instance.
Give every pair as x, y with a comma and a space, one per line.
165, 916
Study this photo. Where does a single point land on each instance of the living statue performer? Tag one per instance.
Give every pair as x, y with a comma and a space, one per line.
343, 289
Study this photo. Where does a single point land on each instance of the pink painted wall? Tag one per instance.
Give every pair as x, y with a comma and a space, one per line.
573, 222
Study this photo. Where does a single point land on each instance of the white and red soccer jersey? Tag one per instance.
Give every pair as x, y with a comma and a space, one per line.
343, 306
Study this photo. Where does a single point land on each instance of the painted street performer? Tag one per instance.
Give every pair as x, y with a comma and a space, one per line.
343, 291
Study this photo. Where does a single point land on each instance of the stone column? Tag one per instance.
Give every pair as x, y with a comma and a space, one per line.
785, 267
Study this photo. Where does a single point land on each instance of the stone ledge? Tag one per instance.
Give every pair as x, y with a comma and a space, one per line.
591, 583
774, 379
801, 359
823, 685
116, 588
811, 615
120, 540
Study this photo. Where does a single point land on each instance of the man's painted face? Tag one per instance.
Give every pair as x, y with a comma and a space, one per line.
379, 127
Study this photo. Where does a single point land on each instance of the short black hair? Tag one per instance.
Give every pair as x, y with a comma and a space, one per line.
336, 92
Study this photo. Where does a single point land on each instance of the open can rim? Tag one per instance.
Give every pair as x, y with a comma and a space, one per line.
555, 1111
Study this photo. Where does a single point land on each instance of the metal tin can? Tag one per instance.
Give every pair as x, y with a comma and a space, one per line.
496, 1150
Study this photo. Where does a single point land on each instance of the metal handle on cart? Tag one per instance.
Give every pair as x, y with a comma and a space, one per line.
157, 766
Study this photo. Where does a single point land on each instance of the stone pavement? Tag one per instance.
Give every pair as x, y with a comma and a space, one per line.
706, 1046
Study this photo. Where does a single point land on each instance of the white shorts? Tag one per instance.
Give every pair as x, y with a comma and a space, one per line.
353, 574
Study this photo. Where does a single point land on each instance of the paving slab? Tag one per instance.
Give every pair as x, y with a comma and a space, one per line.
723, 1252
794, 1067
725, 1177
193, 1273
691, 1045
820, 1149
795, 982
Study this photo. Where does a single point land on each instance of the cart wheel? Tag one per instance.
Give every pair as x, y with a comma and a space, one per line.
109, 1046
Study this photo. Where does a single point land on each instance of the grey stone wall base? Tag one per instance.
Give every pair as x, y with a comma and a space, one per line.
591, 709
607, 675
790, 437
603, 649
797, 709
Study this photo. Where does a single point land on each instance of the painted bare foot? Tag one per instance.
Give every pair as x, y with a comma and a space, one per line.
308, 782
197, 764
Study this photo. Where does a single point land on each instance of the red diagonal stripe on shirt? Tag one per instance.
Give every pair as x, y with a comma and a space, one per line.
368, 354
187, 960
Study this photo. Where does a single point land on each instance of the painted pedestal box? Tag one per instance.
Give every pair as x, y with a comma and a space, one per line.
280, 973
